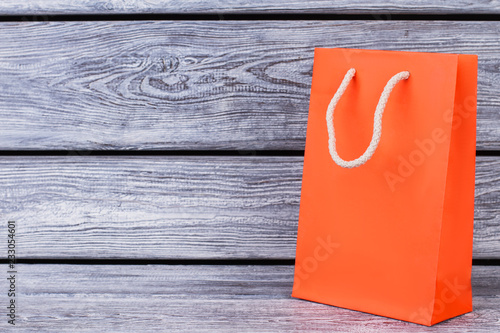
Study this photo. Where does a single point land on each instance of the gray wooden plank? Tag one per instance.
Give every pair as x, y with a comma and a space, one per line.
51, 7
178, 207
145, 298
241, 85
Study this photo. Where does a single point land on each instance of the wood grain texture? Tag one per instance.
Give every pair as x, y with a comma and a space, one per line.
241, 85
147, 298
178, 207
51, 7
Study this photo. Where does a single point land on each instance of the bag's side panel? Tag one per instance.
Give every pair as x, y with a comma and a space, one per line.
453, 289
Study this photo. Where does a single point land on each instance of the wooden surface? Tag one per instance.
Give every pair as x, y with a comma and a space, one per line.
198, 82
178, 207
177, 85
38, 7
171, 298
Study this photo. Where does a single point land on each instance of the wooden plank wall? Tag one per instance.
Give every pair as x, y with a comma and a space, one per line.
179, 207
209, 298
164, 140
387, 7
202, 85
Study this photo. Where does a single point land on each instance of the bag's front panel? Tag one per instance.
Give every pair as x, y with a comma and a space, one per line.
368, 237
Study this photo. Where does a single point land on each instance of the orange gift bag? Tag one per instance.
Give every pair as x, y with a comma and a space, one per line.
387, 203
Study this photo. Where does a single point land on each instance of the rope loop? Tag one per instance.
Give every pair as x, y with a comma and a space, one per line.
377, 121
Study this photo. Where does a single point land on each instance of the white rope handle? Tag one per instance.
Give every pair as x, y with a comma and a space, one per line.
377, 121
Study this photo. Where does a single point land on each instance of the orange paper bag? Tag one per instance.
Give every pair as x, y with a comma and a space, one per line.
387, 203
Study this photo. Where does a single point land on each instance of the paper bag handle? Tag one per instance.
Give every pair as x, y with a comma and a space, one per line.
377, 121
